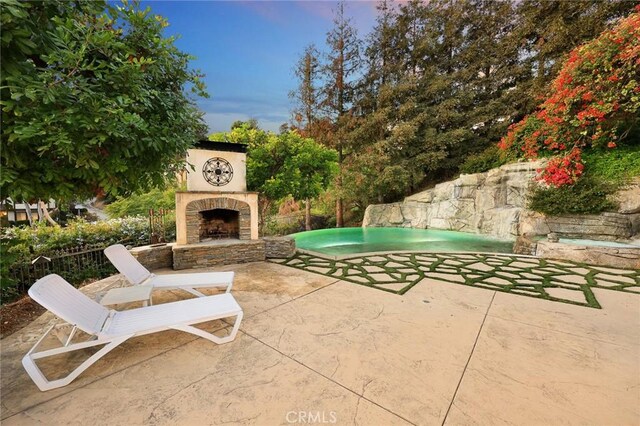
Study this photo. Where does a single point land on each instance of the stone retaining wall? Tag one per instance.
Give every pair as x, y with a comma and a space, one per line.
486, 203
604, 226
279, 247
154, 257
219, 253
618, 257
494, 203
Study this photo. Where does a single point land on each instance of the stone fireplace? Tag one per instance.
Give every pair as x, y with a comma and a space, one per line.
216, 217
216, 212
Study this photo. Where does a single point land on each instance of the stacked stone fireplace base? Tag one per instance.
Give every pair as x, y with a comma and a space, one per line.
216, 253
213, 253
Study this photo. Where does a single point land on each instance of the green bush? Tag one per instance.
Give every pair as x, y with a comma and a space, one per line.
587, 196
19, 246
8, 285
140, 204
613, 165
488, 159
605, 171
28, 243
274, 228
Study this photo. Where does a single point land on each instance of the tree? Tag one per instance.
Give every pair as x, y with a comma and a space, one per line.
251, 123
490, 68
549, 29
339, 74
283, 165
594, 102
140, 204
305, 97
443, 80
93, 100
246, 133
307, 106
289, 164
413, 108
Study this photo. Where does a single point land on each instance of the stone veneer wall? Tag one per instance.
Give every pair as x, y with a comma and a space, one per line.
494, 203
220, 253
194, 208
154, 257
618, 257
279, 247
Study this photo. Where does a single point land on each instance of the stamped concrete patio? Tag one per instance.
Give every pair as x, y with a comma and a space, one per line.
316, 349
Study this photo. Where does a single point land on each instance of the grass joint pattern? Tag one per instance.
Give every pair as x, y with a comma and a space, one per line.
527, 276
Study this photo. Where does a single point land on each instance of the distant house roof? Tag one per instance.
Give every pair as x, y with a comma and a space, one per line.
220, 146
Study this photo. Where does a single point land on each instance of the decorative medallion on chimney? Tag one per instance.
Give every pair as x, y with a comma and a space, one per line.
217, 171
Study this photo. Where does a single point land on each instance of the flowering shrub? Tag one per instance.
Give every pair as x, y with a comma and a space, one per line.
18, 246
594, 102
563, 170
28, 243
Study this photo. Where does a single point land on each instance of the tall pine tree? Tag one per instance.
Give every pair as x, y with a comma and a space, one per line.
306, 99
340, 74
306, 96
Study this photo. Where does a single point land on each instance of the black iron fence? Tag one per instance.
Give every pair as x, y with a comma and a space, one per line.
161, 225
76, 265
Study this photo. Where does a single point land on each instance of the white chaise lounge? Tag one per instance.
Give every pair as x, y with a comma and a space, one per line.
111, 328
137, 274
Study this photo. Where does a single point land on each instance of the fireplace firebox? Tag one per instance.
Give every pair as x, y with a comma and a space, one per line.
219, 224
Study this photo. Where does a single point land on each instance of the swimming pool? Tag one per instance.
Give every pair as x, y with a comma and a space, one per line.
341, 241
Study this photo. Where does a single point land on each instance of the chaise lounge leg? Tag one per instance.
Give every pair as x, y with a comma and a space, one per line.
193, 291
210, 336
43, 383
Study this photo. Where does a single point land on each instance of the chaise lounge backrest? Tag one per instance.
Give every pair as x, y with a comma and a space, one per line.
127, 264
68, 303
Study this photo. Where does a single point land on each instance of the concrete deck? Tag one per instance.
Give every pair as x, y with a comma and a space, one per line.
313, 349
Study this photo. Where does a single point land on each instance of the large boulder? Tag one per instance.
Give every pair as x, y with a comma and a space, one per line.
628, 198
399, 215
619, 257
605, 226
487, 203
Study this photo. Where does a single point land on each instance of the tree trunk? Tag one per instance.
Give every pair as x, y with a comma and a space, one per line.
42, 209
541, 59
27, 209
339, 206
40, 212
264, 205
339, 210
307, 214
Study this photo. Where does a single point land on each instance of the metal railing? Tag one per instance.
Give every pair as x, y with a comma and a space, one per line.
76, 265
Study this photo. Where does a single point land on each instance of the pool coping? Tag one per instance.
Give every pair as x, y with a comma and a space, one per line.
373, 253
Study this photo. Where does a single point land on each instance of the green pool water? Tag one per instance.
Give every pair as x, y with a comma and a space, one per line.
342, 241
